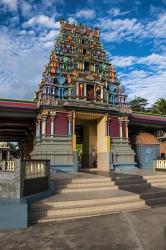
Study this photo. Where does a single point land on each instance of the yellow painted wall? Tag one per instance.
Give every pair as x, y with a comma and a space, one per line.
103, 145
89, 142
74, 142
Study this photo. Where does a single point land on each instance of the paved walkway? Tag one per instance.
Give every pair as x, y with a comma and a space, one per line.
139, 230
133, 171
142, 172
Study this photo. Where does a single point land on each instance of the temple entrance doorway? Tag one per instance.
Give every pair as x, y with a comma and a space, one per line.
86, 140
92, 141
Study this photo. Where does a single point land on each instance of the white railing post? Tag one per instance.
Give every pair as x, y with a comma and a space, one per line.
36, 169
159, 164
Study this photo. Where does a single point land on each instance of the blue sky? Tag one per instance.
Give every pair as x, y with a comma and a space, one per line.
132, 31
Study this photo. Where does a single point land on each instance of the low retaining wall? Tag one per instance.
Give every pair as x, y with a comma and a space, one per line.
13, 213
10, 181
20, 179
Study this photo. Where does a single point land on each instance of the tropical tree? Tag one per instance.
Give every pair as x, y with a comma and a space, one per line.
159, 107
138, 104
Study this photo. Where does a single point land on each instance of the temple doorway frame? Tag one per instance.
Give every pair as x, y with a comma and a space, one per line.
96, 142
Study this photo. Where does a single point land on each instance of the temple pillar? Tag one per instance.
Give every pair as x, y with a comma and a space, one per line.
85, 91
102, 93
77, 90
126, 130
108, 126
52, 114
94, 93
52, 126
38, 130
70, 124
73, 134
103, 145
120, 129
44, 126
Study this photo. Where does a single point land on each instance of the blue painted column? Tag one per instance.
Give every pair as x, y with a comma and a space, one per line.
61, 93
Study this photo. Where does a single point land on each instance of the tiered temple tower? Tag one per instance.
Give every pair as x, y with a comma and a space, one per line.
82, 111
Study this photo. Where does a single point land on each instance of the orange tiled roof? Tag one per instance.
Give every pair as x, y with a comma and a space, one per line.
146, 138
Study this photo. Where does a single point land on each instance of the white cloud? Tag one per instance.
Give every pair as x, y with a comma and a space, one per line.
22, 32
151, 60
128, 29
154, 59
122, 61
157, 28
50, 35
25, 8
72, 20
149, 86
86, 13
10, 4
43, 21
21, 60
120, 29
145, 76
48, 44
116, 12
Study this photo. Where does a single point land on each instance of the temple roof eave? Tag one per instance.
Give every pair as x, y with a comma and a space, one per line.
83, 107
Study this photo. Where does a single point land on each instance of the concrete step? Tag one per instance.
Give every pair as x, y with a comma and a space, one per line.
82, 180
130, 182
152, 177
156, 201
159, 184
156, 180
60, 214
84, 185
86, 189
152, 194
89, 195
89, 202
135, 187
133, 177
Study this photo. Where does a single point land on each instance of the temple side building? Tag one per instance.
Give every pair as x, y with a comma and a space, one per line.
82, 119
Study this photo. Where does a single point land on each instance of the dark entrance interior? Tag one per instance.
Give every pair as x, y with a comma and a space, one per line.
86, 139
86, 66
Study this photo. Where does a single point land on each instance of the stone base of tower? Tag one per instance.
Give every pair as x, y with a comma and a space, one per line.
59, 151
122, 154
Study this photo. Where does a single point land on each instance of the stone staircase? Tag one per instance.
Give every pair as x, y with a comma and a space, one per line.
90, 195
86, 195
84, 185
151, 188
131, 183
157, 180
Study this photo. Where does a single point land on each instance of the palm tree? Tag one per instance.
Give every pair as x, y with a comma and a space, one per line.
159, 107
138, 104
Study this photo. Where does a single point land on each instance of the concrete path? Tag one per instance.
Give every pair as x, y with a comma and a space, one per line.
139, 230
142, 172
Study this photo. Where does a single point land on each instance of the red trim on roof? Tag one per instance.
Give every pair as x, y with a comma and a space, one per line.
17, 104
147, 118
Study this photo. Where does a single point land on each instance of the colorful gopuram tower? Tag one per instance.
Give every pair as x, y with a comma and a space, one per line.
82, 112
